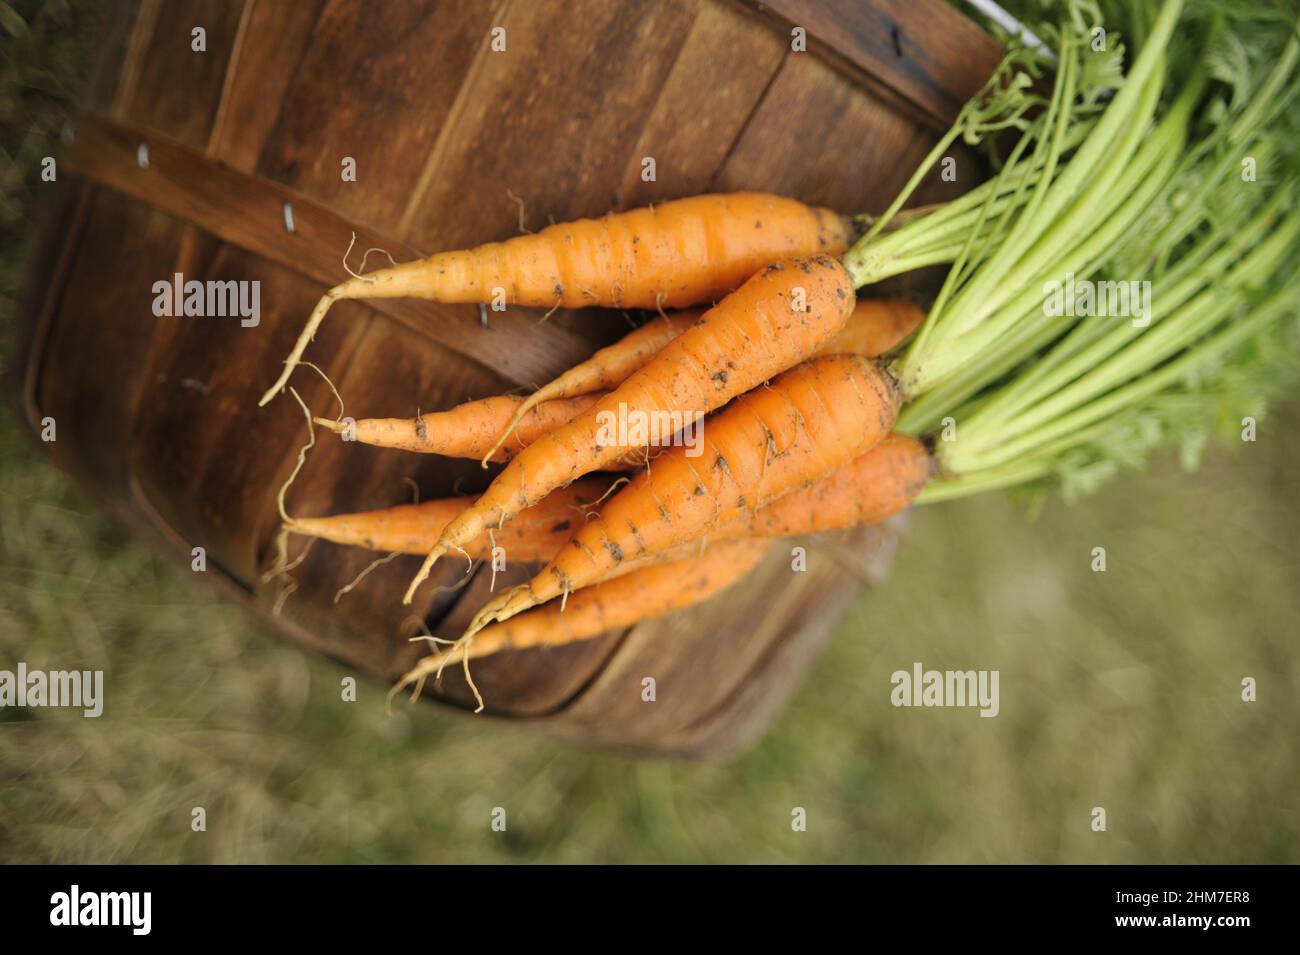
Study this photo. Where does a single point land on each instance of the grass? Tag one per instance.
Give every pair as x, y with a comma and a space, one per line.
1118, 689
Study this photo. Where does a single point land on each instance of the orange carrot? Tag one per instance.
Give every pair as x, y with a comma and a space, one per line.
865, 491
680, 253
607, 368
611, 366
874, 328
536, 534
647, 593
868, 489
804, 425
776, 319
465, 431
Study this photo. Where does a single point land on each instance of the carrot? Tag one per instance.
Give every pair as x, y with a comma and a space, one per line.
868, 489
608, 368
805, 424
754, 333
611, 366
647, 593
536, 534
680, 253
865, 491
465, 431
875, 328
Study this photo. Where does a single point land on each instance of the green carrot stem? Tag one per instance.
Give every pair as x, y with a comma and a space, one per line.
1054, 372
1134, 100
993, 439
950, 488
1066, 430
1058, 253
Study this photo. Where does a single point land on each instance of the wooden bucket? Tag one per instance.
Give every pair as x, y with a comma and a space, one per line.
227, 163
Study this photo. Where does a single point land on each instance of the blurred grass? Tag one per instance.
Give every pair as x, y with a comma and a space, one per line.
1119, 690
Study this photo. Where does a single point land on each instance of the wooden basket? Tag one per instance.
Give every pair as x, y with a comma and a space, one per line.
227, 163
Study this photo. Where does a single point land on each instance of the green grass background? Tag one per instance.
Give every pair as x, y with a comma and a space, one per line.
1119, 690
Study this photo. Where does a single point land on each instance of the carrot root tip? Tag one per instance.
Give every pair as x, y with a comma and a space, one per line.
514, 601
423, 574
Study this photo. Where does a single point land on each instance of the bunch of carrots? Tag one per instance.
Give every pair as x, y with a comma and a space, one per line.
821, 410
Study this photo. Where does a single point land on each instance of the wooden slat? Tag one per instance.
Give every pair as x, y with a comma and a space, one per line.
385, 111
489, 171
90, 373
928, 54
105, 355
249, 213
828, 143
725, 64
199, 428
175, 89
139, 34
49, 260
553, 119
269, 53
117, 27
